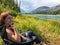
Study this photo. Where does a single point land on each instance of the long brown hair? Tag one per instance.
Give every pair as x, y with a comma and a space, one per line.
3, 16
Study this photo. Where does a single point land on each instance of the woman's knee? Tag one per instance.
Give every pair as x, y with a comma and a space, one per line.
30, 32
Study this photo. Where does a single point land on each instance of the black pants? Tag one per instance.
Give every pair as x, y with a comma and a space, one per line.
30, 34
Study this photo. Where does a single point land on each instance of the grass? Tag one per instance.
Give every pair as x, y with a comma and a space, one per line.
0, 41
47, 30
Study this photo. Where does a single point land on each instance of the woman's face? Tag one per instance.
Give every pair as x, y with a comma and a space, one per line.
8, 20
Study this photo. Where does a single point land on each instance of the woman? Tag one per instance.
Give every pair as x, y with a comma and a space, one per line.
10, 34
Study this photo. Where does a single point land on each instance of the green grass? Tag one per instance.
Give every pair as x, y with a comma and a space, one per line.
27, 22
47, 30
0, 41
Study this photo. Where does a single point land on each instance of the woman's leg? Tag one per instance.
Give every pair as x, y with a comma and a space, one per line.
28, 41
31, 34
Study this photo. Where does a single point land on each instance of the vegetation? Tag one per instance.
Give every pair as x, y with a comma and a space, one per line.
9, 5
47, 30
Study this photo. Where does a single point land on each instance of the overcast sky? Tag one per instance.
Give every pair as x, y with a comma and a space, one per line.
29, 5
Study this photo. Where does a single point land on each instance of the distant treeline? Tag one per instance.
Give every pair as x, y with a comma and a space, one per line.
49, 12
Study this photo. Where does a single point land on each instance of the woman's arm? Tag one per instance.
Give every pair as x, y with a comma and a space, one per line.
24, 38
13, 36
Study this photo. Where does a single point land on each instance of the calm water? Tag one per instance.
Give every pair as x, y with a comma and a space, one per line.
54, 17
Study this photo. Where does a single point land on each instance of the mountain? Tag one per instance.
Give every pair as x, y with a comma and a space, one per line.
40, 9
55, 8
58, 6
47, 10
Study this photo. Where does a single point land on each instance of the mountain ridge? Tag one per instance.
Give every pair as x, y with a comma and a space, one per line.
47, 9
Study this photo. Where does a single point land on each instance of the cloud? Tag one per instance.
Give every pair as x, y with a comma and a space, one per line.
29, 5
26, 5
38, 3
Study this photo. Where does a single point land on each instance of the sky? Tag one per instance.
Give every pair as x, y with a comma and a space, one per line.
29, 5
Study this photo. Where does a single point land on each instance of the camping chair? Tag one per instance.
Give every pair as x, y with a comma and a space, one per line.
29, 41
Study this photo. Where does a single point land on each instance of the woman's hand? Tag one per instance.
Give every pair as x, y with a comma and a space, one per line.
24, 38
15, 30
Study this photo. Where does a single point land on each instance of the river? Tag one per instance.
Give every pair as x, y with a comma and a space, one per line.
53, 17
